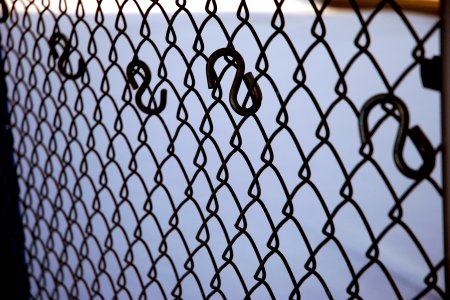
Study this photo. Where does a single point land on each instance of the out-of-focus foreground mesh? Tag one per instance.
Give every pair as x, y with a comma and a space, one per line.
198, 201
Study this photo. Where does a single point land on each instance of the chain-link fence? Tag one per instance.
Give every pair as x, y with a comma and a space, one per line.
225, 149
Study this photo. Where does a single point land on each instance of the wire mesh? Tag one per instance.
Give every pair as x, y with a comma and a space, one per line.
213, 149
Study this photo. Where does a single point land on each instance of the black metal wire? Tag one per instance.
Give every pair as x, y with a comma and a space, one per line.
91, 192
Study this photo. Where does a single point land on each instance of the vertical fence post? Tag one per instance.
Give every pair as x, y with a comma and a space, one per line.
445, 110
14, 282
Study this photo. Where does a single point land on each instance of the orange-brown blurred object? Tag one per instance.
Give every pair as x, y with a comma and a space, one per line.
422, 6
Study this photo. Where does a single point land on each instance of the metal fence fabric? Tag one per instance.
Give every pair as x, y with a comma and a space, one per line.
225, 149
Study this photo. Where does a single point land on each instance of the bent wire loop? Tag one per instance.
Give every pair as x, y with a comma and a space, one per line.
416, 135
132, 70
56, 38
5, 12
249, 80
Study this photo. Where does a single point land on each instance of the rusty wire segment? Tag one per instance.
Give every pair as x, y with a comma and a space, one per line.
99, 186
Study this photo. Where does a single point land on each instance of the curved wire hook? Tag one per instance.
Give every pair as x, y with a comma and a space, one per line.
416, 135
132, 70
248, 79
64, 59
5, 12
